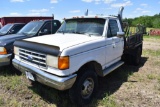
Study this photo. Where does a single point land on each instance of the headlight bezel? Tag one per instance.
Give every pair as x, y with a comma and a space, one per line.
52, 61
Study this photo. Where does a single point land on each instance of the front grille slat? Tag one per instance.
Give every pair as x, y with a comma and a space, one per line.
33, 57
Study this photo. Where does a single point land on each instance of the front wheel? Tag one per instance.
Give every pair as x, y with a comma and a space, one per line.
84, 88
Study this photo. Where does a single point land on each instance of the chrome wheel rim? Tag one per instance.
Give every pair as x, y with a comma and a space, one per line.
87, 88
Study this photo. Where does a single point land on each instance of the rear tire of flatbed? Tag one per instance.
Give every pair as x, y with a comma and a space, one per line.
137, 57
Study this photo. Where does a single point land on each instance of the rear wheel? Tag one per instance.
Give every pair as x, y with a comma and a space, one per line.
137, 56
84, 88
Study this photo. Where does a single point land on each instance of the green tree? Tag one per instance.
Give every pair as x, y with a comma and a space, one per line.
156, 23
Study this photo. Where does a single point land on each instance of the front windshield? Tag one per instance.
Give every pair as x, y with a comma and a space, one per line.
5, 28
89, 26
31, 28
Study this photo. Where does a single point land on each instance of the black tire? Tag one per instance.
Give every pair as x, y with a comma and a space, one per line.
84, 88
32, 83
137, 56
14, 70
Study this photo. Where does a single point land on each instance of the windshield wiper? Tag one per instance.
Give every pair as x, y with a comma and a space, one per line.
60, 31
95, 34
78, 32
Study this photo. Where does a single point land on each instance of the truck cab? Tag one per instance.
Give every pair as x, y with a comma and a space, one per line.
31, 29
11, 28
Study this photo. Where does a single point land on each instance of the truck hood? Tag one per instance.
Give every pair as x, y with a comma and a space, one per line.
2, 34
62, 40
7, 39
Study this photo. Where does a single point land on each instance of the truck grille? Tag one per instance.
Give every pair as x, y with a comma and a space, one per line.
35, 58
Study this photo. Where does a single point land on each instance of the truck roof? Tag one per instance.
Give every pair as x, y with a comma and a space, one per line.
45, 20
16, 23
103, 17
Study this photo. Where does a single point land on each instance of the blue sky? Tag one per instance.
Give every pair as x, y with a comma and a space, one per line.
70, 8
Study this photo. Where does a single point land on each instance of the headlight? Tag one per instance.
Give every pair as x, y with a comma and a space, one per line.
52, 61
3, 51
61, 63
16, 50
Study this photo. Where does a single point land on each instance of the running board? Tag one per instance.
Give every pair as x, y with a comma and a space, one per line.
112, 67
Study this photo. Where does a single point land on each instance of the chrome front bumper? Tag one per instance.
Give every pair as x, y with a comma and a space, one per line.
5, 59
60, 83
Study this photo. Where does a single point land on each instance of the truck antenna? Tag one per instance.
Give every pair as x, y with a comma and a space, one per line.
86, 13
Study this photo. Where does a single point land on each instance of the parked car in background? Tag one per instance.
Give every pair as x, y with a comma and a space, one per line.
31, 29
11, 28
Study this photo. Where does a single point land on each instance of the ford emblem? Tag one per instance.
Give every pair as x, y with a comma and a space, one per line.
30, 58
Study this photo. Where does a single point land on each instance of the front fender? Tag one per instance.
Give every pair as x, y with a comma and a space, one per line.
77, 61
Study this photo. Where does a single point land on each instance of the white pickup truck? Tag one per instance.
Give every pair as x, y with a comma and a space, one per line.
83, 49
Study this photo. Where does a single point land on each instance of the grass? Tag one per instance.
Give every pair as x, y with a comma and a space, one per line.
150, 38
120, 88
151, 76
152, 52
159, 79
1, 102
109, 101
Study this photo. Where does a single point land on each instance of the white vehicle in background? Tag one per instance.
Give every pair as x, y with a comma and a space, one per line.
83, 49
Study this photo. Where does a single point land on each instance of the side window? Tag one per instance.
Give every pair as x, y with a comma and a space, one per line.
112, 28
56, 25
16, 28
46, 28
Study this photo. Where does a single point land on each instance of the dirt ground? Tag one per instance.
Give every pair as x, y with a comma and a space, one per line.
142, 88
151, 45
127, 86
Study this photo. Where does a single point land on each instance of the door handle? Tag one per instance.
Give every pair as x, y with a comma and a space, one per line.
114, 45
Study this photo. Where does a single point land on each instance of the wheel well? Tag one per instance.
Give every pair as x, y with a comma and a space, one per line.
96, 67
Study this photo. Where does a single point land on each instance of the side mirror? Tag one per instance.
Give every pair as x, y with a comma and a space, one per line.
45, 30
120, 34
11, 31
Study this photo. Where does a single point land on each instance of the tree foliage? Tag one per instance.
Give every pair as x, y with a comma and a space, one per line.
147, 21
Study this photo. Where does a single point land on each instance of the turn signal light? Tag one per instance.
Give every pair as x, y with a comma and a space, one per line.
63, 62
3, 51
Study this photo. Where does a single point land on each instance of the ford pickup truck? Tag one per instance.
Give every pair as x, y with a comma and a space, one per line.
11, 28
31, 29
83, 49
